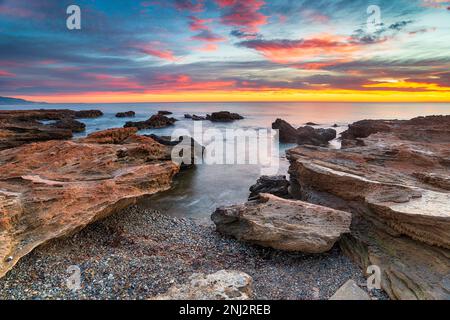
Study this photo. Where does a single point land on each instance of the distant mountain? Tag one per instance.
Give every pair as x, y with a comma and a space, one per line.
7, 101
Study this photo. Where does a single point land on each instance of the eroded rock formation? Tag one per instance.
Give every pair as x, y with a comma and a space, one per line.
18, 127
54, 188
154, 122
303, 135
276, 185
395, 182
283, 224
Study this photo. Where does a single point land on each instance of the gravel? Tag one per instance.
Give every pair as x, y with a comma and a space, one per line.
139, 253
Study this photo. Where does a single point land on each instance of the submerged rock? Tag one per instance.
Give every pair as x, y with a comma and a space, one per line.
154, 122
55, 188
222, 285
276, 185
316, 137
394, 185
283, 224
126, 114
223, 116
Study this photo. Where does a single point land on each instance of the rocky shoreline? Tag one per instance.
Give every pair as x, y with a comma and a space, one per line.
138, 253
382, 199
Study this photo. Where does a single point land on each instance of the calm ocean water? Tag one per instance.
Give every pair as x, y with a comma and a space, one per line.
199, 191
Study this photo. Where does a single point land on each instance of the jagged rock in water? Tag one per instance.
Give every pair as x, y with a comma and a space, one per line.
276, 185
316, 137
154, 122
164, 112
395, 186
283, 224
222, 285
223, 116
126, 114
186, 143
287, 133
55, 188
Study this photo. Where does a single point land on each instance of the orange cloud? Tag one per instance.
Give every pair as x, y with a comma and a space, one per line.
291, 51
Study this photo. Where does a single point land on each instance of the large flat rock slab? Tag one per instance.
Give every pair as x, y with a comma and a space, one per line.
393, 177
55, 188
283, 224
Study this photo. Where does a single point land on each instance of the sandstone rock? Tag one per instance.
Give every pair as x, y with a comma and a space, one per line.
110, 136
283, 224
223, 116
350, 291
126, 114
47, 114
55, 188
18, 127
311, 124
70, 124
154, 122
287, 133
276, 185
396, 188
222, 285
14, 133
316, 137
164, 112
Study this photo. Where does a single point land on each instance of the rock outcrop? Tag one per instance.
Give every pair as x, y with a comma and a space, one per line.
395, 185
14, 133
156, 121
350, 291
287, 133
283, 224
70, 124
55, 188
303, 135
222, 285
223, 116
316, 137
164, 112
276, 185
188, 143
18, 127
126, 114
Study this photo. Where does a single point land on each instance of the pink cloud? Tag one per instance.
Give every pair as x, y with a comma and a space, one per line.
243, 14
155, 50
4, 73
198, 24
189, 5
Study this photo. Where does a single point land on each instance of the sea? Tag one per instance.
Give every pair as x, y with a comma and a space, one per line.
199, 191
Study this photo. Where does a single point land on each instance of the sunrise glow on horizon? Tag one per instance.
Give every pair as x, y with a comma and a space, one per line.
225, 50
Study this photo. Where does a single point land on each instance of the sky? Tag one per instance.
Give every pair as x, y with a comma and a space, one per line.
226, 50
